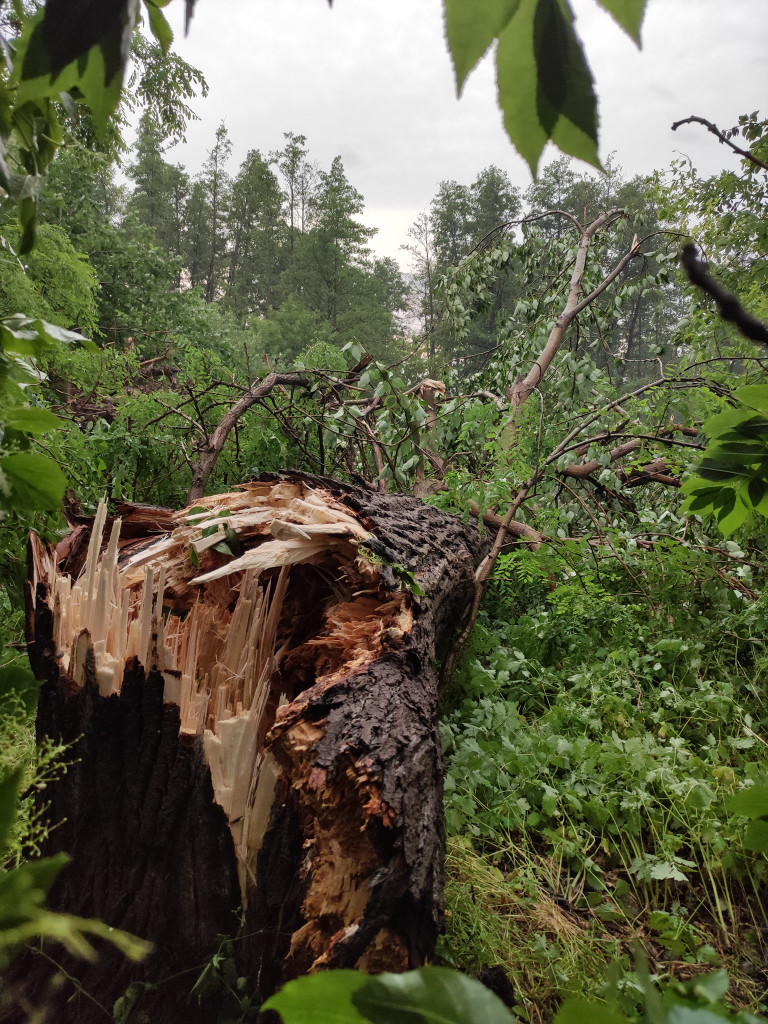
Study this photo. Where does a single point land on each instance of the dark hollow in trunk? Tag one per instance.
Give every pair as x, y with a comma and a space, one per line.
249, 690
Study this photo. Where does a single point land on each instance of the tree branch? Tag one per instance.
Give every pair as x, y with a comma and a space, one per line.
209, 454
522, 388
722, 137
729, 307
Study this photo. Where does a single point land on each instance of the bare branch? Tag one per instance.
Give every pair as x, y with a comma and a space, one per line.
523, 388
722, 137
209, 454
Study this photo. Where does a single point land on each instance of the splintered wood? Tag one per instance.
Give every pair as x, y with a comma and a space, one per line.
215, 607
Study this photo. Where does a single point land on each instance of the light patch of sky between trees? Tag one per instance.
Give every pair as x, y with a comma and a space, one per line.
371, 80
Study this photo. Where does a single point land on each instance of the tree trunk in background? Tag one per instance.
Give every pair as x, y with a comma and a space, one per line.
276, 774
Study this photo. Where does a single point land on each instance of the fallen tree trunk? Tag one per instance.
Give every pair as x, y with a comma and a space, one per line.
249, 692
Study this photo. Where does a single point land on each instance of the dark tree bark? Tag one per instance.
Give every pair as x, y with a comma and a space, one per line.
255, 750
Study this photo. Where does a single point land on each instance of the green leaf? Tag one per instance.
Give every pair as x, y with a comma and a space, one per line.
711, 987
94, 74
757, 490
746, 451
664, 869
756, 837
471, 27
628, 13
324, 998
581, 1011
101, 84
692, 1015
18, 680
736, 424
701, 496
751, 803
54, 333
433, 995
36, 483
753, 395
25, 336
159, 26
731, 514
712, 469
30, 418
39, 875
63, 32
545, 87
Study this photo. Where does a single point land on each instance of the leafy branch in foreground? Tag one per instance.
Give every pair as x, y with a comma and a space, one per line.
28, 480
732, 478
437, 995
65, 59
545, 85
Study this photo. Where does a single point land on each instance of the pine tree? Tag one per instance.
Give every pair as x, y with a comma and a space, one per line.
160, 189
257, 235
217, 189
299, 179
333, 249
451, 222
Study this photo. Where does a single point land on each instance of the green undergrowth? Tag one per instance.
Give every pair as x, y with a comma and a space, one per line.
592, 740
39, 765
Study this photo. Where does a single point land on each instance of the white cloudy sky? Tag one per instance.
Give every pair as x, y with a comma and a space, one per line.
371, 80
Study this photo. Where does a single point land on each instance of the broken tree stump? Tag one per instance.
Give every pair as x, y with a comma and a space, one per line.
248, 687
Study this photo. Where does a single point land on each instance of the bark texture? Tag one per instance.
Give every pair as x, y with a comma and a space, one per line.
254, 735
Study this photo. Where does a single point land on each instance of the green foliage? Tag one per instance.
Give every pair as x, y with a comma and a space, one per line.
28, 480
63, 64
54, 283
435, 995
605, 751
753, 804
545, 86
697, 1001
731, 480
430, 994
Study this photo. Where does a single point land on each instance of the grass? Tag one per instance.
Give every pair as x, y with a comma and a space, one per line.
592, 742
18, 749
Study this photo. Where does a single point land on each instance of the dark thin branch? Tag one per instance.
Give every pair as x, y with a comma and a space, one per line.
728, 305
745, 153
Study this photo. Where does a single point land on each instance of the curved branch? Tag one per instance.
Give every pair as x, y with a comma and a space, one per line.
722, 137
209, 454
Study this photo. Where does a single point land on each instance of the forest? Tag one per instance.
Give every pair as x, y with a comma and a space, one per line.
536, 446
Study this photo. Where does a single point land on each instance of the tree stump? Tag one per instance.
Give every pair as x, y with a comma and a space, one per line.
249, 693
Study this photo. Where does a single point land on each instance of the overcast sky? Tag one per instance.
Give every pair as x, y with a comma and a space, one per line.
371, 81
